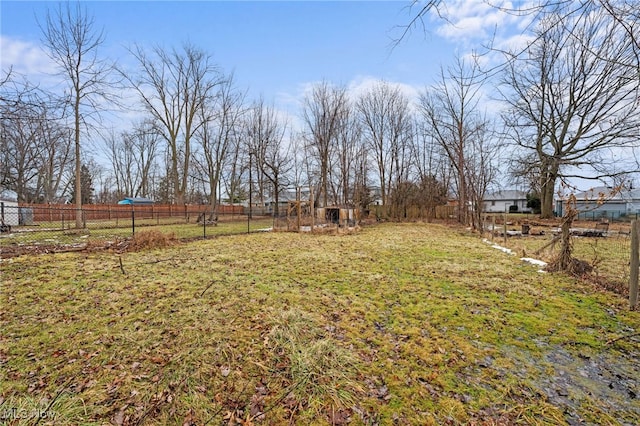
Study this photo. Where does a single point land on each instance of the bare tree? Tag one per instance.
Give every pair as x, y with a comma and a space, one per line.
451, 110
21, 153
387, 129
624, 12
572, 101
234, 169
175, 87
483, 152
122, 157
432, 169
299, 159
322, 112
72, 42
265, 138
349, 150
362, 187
35, 144
145, 141
133, 159
56, 159
219, 132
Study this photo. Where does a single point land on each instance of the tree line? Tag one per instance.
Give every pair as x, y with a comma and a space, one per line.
568, 106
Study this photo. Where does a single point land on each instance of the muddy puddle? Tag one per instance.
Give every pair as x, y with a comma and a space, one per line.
590, 387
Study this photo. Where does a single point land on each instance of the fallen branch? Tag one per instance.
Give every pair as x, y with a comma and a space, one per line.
157, 261
208, 287
628, 336
121, 267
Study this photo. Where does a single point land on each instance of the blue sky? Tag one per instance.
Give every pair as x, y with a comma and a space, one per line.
274, 48
278, 49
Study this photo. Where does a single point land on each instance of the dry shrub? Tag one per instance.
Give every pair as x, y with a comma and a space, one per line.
574, 266
151, 240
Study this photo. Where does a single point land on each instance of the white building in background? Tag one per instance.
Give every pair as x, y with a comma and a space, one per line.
9, 211
502, 202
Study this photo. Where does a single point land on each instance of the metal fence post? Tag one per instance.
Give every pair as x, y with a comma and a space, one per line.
133, 221
204, 225
634, 264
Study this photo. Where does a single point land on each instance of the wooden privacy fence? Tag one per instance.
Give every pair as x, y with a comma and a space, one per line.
53, 212
413, 212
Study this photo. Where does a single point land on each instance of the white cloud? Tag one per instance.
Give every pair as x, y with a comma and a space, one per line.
515, 42
470, 22
362, 84
358, 86
26, 58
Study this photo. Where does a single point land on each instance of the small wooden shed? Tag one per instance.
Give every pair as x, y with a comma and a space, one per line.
341, 216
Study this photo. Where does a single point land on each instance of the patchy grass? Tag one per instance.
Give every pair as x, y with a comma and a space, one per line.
399, 323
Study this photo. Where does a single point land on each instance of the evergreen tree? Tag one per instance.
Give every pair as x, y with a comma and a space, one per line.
86, 185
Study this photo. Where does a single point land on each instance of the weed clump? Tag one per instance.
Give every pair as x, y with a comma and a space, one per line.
321, 373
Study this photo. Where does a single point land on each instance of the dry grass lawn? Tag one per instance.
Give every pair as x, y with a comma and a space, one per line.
396, 324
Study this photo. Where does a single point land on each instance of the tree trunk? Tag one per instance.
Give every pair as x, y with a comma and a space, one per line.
213, 198
276, 208
547, 193
564, 259
78, 192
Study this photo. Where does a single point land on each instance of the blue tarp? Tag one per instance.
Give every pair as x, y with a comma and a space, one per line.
136, 201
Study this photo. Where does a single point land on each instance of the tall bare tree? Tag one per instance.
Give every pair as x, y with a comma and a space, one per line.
73, 43
452, 112
174, 87
350, 150
219, 133
56, 158
323, 109
232, 177
265, 138
386, 124
431, 167
145, 140
572, 101
35, 145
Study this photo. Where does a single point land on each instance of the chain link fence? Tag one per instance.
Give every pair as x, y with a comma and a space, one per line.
49, 228
42, 226
603, 244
